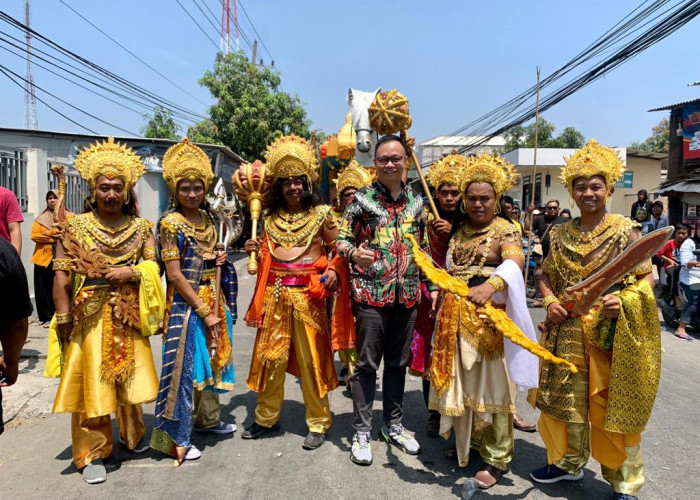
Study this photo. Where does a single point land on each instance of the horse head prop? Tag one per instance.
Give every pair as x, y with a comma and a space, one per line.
359, 102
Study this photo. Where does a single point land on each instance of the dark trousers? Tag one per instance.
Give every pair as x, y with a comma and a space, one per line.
387, 332
434, 414
43, 292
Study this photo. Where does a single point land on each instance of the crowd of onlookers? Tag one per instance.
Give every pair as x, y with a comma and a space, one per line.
676, 263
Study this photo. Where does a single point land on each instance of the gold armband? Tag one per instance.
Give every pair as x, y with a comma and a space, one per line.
63, 318
170, 254
548, 301
62, 264
512, 252
496, 282
149, 253
203, 311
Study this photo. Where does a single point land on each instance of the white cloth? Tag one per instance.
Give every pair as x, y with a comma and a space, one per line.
523, 366
688, 276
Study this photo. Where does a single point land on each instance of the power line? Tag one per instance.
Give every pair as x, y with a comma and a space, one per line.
255, 30
198, 25
213, 24
6, 69
122, 82
132, 54
684, 12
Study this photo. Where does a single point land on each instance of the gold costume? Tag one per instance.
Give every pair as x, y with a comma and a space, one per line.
108, 365
604, 407
288, 306
470, 384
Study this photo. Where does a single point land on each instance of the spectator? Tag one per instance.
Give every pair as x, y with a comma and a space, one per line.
10, 219
642, 202
642, 219
669, 256
541, 227
512, 212
689, 281
43, 234
565, 214
15, 308
658, 218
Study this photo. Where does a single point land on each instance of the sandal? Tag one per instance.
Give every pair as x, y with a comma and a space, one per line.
683, 336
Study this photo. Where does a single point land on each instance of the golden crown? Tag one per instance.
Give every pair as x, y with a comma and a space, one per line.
111, 159
592, 159
447, 170
292, 156
355, 176
493, 169
184, 160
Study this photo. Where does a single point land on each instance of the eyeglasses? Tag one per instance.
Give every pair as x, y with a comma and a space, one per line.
552, 208
384, 160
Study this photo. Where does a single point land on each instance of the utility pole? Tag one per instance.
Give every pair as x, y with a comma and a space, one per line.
30, 119
255, 52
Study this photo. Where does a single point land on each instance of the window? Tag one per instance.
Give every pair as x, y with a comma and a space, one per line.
13, 175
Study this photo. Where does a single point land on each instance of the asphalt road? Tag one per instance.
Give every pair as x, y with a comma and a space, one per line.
35, 453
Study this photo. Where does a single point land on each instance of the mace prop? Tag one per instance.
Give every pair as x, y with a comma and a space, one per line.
388, 114
251, 182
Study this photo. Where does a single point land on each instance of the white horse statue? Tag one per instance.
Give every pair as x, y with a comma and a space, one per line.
359, 103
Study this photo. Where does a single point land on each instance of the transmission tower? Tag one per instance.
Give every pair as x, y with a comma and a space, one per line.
225, 43
30, 120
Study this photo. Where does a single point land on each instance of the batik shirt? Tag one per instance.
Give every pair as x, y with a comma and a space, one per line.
374, 216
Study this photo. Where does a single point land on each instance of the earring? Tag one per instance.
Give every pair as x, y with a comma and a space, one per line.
92, 196
497, 208
127, 198
463, 206
572, 203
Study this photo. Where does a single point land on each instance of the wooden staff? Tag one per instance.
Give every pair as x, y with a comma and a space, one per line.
534, 172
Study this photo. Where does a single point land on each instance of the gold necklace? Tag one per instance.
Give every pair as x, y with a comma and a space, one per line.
108, 229
293, 234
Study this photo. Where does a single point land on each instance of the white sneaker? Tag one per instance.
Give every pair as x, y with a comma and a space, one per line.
399, 437
95, 472
222, 428
361, 451
193, 453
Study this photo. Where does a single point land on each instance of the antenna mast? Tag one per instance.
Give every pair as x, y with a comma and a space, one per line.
30, 120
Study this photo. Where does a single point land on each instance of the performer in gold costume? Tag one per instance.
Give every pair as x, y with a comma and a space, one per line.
107, 303
197, 356
474, 371
604, 407
343, 336
289, 303
444, 176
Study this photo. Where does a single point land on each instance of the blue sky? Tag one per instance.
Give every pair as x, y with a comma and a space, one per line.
453, 60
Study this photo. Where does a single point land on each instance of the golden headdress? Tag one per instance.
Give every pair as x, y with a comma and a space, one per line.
355, 176
184, 160
292, 156
111, 159
592, 159
493, 169
447, 170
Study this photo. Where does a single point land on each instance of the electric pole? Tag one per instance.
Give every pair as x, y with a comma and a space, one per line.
30, 119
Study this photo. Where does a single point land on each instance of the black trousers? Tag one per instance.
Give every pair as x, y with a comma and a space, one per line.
381, 332
43, 292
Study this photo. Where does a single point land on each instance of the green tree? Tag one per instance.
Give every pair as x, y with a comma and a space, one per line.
524, 137
161, 125
251, 109
658, 141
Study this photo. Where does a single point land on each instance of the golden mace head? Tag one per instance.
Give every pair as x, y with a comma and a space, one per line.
388, 113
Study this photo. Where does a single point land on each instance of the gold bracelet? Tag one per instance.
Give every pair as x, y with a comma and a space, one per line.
496, 282
62, 264
203, 311
149, 253
64, 318
137, 274
548, 301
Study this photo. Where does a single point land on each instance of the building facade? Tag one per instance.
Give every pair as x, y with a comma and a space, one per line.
26, 157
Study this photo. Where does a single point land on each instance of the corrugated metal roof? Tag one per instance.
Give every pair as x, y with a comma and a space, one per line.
673, 106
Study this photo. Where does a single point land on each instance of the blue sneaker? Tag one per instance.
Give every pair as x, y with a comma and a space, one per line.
553, 474
623, 496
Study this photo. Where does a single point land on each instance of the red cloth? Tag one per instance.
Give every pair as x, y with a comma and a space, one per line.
9, 211
670, 250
